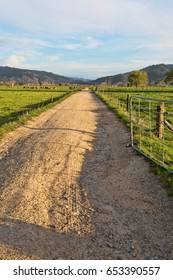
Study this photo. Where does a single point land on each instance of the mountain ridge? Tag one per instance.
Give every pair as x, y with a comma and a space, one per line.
26, 76
155, 73
14, 75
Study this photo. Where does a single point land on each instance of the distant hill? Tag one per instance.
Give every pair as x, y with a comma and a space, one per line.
155, 74
11, 74
15, 75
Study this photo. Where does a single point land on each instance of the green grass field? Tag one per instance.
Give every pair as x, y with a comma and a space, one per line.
144, 114
17, 105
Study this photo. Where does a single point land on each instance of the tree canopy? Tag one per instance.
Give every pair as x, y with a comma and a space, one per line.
138, 78
169, 77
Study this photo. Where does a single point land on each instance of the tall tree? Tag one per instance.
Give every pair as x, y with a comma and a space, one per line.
169, 77
138, 78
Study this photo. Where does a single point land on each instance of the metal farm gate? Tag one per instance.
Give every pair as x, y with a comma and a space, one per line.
152, 129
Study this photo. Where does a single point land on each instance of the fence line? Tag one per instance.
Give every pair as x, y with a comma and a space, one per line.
151, 122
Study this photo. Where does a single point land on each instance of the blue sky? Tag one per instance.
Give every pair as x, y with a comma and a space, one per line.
86, 38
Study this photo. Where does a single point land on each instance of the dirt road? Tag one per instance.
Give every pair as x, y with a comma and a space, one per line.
71, 189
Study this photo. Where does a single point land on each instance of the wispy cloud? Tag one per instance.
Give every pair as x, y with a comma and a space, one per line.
88, 43
92, 43
53, 58
71, 46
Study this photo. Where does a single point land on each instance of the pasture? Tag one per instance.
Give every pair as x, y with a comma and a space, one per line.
19, 104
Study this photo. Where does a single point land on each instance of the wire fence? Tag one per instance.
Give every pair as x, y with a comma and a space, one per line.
152, 129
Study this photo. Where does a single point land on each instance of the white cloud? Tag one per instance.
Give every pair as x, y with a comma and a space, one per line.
22, 42
54, 58
70, 46
89, 43
92, 43
15, 61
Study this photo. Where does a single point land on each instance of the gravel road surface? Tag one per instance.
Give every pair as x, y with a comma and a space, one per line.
71, 189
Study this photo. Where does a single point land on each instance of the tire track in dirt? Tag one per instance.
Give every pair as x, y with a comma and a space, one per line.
71, 189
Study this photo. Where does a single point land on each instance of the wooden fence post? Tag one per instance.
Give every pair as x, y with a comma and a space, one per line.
127, 102
160, 121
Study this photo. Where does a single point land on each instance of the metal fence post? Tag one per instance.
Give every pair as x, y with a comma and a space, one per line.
131, 122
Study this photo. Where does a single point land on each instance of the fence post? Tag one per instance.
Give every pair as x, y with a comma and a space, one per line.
160, 121
131, 121
127, 102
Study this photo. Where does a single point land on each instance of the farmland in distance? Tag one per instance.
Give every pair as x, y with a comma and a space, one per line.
19, 104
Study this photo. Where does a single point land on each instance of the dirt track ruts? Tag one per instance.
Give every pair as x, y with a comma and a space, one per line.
71, 189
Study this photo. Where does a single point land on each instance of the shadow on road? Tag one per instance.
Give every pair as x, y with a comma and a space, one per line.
36, 242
